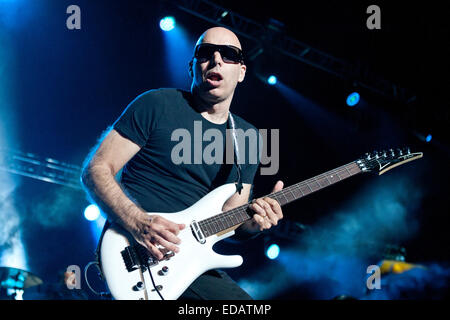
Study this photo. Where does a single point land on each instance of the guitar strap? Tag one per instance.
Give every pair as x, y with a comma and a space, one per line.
232, 125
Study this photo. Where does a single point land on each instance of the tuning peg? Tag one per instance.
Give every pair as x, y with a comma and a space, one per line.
384, 153
400, 152
408, 151
392, 152
375, 154
367, 156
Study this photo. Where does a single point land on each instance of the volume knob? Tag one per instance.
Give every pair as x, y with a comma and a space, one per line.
164, 270
140, 286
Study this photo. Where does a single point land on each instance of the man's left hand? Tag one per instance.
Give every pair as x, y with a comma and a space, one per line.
267, 210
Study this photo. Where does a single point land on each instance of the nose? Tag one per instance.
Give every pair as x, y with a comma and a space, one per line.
216, 58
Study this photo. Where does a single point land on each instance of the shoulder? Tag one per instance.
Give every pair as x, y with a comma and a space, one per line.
243, 124
160, 93
157, 100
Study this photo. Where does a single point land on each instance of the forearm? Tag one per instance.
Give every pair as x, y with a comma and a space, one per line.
102, 187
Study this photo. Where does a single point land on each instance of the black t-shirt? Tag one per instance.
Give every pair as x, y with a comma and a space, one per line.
160, 121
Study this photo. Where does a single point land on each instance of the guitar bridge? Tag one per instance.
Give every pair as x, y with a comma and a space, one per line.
130, 258
136, 257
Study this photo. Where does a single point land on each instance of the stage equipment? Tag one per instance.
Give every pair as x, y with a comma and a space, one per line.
14, 281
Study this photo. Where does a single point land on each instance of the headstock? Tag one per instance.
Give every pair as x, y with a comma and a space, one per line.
386, 160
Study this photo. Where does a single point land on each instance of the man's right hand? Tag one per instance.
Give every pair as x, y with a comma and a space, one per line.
153, 231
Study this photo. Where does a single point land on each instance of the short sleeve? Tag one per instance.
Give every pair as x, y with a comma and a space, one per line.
140, 117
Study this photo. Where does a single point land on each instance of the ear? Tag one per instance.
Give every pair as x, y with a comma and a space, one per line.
242, 73
191, 72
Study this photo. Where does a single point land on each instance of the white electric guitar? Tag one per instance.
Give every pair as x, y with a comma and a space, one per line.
132, 273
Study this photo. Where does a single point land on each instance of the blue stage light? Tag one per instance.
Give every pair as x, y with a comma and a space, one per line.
353, 99
272, 80
273, 251
92, 212
167, 23
428, 138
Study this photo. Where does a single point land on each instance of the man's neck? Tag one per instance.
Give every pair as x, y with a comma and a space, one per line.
215, 115
213, 112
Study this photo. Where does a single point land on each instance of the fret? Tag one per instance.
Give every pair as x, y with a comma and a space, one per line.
209, 227
230, 220
225, 222
297, 192
355, 168
291, 194
349, 174
335, 178
306, 190
312, 187
315, 183
233, 216
219, 220
344, 174
318, 183
239, 216
202, 226
244, 215
282, 193
322, 183
300, 189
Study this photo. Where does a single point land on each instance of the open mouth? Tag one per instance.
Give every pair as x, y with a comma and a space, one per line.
214, 78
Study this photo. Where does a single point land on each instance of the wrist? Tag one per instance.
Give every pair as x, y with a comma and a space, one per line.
131, 221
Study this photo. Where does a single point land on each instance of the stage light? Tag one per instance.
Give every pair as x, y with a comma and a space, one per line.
428, 138
167, 23
272, 80
353, 99
273, 251
92, 212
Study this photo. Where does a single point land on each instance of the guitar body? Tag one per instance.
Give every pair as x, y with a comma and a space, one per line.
174, 274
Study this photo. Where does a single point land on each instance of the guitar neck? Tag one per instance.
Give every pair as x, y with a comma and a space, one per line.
229, 219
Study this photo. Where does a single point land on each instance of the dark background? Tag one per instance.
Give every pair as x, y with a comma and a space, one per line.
65, 87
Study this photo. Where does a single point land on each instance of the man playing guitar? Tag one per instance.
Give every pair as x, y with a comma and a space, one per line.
140, 143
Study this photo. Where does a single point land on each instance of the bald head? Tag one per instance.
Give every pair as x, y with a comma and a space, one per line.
219, 35
213, 79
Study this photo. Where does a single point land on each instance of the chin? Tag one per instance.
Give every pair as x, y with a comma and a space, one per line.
216, 92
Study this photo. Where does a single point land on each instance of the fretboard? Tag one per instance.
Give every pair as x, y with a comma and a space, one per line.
228, 219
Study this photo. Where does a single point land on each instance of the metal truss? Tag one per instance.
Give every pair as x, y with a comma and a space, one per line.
44, 169
274, 37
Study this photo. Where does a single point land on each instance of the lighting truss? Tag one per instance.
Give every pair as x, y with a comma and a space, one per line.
291, 47
44, 169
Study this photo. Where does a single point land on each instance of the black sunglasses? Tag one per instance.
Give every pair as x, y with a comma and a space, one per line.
230, 54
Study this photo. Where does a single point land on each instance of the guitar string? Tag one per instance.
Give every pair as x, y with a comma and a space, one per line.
296, 187
218, 218
228, 214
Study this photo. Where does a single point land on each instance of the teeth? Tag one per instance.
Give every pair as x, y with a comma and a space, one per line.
214, 77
